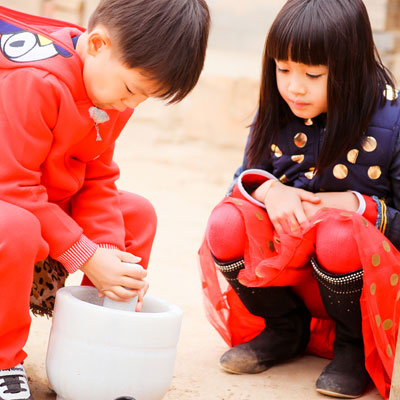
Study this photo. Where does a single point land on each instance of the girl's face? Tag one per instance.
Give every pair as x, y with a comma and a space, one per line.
303, 87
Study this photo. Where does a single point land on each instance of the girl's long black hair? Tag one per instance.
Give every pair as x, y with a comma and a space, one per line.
336, 33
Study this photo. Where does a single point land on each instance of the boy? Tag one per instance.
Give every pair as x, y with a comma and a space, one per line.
65, 95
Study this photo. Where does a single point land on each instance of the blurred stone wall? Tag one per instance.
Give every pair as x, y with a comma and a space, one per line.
222, 105
385, 20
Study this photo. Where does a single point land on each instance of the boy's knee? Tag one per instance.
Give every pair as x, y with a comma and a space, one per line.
148, 216
226, 233
19, 229
18, 222
148, 211
138, 212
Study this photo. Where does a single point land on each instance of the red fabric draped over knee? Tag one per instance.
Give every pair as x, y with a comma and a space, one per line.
226, 233
336, 248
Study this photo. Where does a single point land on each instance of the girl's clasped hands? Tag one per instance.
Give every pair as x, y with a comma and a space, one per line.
288, 207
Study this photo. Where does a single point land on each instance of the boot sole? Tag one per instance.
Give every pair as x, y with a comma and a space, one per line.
231, 371
338, 395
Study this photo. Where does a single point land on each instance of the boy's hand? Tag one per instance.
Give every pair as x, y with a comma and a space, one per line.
141, 294
116, 274
284, 204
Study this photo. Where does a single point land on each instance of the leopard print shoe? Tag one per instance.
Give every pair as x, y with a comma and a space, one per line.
49, 276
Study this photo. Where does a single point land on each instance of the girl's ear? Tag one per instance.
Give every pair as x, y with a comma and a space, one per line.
98, 41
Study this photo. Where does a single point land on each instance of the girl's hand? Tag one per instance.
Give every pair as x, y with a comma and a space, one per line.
284, 204
116, 274
342, 200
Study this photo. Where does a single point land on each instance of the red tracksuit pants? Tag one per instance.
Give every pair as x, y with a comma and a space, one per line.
22, 246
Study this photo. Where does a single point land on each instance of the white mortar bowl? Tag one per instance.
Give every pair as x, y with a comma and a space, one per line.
98, 353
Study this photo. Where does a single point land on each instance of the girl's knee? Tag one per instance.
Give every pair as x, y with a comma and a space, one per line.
336, 249
226, 233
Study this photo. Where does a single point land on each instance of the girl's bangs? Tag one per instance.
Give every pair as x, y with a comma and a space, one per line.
300, 39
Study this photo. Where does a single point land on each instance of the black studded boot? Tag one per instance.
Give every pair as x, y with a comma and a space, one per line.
345, 376
287, 323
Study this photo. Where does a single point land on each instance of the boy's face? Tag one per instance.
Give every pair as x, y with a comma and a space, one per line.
108, 82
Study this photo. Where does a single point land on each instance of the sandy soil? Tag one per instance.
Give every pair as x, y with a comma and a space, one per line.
184, 179
183, 164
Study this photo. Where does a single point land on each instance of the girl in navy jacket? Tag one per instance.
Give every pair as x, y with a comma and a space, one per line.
307, 236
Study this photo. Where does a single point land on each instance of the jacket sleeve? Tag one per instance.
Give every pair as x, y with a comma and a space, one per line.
96, 206
266, 165
388, 220
29, 103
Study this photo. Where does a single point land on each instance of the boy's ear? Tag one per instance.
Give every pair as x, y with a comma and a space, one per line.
98, 41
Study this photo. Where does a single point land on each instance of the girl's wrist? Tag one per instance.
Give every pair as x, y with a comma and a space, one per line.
261, 192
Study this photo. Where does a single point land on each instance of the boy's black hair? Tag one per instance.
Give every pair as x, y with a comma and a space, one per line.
336, 33
165, 38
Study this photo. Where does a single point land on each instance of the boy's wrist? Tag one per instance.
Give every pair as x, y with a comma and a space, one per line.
109, 246
78, 254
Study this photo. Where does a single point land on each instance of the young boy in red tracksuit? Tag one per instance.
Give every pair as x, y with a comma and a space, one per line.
65, 96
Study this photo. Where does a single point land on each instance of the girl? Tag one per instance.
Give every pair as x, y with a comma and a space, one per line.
307, 236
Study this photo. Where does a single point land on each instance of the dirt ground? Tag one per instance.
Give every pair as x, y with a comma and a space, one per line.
183, 162
184, 179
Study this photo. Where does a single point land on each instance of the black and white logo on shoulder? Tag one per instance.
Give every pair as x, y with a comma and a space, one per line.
20, 45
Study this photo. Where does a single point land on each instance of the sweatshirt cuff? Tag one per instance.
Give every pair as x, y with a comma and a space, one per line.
78, 254
361, 202
109, 246
371, 209
249, 180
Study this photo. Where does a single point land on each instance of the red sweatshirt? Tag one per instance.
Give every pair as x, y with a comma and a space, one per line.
55, 161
